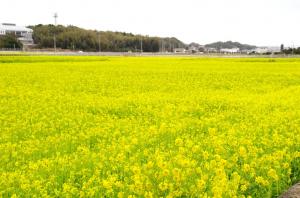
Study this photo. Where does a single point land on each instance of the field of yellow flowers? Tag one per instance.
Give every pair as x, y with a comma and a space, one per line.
148, 127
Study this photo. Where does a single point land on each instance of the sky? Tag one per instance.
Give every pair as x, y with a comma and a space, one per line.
257, 22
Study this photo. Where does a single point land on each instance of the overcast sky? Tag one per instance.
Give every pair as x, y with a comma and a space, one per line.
259, 22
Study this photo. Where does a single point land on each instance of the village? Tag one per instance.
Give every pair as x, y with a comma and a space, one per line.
192, 49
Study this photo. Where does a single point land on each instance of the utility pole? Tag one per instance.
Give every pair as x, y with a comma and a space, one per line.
162, 45
141, 44
99, 41
55, 23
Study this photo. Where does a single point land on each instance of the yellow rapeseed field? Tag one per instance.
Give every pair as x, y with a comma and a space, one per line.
148, 127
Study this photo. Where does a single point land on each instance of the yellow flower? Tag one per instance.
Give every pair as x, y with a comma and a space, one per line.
261, 181
246, 168
200, 184
163, 186
212, 131
107, 184
148, 195
243, 188
272, 173
195, 149
120, 195
286, 165
14, 196
165, 172
242, 151
205, 155
178, 142
149, 165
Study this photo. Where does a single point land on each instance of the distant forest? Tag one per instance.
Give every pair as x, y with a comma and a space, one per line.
75, 38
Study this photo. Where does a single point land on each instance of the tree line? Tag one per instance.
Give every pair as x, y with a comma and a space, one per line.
75, 38
10, 41
290, 50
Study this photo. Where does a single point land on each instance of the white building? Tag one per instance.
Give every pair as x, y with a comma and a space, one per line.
193, 49
230, 51
265, 50
261, 50
210, 50
179, 50
274, 49
22, 33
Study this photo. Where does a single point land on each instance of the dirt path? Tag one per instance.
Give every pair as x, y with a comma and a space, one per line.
293, 192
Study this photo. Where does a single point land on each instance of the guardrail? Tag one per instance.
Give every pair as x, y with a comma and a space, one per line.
4, 51
11, 49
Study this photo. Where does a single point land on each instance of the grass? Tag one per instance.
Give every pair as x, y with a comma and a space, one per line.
125, 126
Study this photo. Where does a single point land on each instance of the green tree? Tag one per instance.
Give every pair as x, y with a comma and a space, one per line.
281, 47
10, 41
74, 38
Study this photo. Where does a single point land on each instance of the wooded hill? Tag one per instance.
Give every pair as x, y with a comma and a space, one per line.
230, 45
75, 38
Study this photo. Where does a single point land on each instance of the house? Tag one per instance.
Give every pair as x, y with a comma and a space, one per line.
22, 33
210, 50
179, 50
193, 49
201, 48
274, 49
247, 51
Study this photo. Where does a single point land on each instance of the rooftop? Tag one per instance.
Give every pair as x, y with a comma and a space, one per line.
14, 27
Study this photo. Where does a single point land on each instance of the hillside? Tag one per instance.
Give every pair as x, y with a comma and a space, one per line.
75, 38
230, 45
